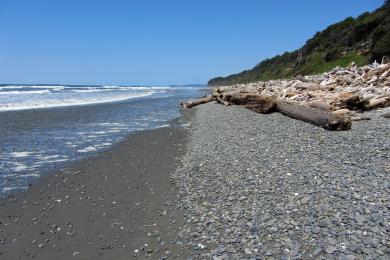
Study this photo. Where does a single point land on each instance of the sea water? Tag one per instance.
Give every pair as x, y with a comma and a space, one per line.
45, 127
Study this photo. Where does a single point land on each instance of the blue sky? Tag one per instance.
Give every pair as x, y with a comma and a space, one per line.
157, 42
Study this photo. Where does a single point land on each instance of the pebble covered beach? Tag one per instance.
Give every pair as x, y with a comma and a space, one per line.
267, 186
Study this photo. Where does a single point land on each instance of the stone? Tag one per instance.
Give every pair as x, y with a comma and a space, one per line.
359, 219
330, 249
316, 252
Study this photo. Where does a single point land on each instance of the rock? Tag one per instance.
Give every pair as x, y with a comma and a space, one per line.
330, 249
323, 224
366, 251
359, 219
332, 241
316, 252
274, 229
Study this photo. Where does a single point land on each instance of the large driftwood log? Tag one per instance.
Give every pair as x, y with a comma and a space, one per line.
314, 116
320, 105
259, 103
197, 102
267, 104
378, 102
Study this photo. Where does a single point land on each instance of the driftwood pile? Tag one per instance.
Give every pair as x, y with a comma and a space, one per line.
330, 100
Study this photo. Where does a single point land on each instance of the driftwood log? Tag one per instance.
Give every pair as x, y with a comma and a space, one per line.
330, 100
320, 105
267, 104
259, 103
315, 116
378, 102
197, 102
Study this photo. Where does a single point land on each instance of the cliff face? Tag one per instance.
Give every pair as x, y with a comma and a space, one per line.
362, 40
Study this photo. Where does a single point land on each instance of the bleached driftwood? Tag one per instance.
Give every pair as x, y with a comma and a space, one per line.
355, 88
328, 100
267, 104
255, 102
315, 116
197, 102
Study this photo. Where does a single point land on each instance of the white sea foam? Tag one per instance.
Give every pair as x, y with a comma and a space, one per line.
111, 124
47, 103
11, 188
20, 154
36, 175
90, 90
31, 87
20, 92
100, 132
17, 175
11, 87
49, 157
87, 149
57, 160
49, 87
61, 87
114, 131
19, 167
163, 126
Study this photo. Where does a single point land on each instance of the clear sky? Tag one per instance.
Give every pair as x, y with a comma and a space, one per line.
157, 42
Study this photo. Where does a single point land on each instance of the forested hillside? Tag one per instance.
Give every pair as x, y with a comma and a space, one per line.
362, 40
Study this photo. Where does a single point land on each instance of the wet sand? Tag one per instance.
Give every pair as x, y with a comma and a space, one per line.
116, 205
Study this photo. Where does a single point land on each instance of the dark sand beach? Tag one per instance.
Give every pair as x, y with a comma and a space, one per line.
116, 205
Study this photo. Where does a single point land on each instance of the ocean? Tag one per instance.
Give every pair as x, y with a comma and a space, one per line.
43, 128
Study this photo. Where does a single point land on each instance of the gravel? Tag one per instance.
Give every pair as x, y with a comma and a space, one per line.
256, 186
